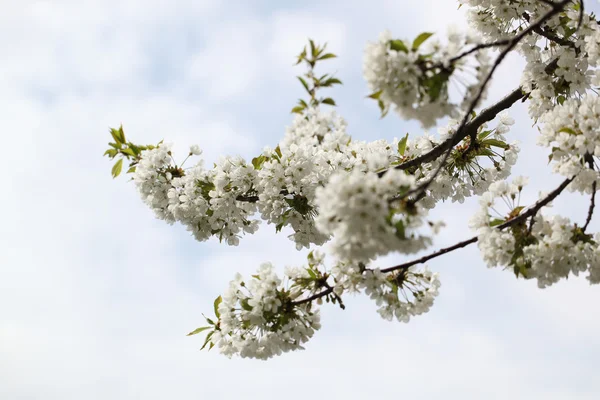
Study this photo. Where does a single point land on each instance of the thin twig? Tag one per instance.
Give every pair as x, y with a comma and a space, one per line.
313, 297
530, 212
589, 159
591, 209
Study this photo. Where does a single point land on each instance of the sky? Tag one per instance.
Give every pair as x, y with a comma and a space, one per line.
96, 296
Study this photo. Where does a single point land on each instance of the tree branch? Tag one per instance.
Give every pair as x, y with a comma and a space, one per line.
313, 297
473, 126
589, 159
509, 47
592, 206
530, 212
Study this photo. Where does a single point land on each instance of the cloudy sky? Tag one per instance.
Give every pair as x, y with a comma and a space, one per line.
96, 296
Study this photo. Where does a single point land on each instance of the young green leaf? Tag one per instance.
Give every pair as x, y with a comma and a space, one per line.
197, 331
207, 339
420, 40
398, 45
402, 145
111, 153
567, 130
304, 84
375, 95
218, 301
496, 222
327, 56
116, 169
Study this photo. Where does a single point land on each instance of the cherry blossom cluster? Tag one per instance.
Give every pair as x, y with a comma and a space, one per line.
403, 293
355, 208
204, 201
413, 78
471, 167
560, 54
258, 319
542, 248
267, 315
572, 132
498, 19
314, 147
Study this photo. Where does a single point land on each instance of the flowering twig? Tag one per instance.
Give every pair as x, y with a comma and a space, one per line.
522, 217
512, 43
530, 212
485, 116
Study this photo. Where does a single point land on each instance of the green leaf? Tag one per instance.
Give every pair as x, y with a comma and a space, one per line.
278, 227
331, 81
327, 56
129, 152
567, 130
298, 109
111, 153
382, 107
118, 135
218, 301
400, 229
116, 169
304, 83
398, 45
496, 222
257, 162
485, 152
130, 170
402, 145
206, 340
122, 134
115, 135
560, 99
313, 48
484, 134
420, 40
329, 101
437, 85
245, 305
301, 56
311, 273
495, 143
197, 331
375, 95
278, 151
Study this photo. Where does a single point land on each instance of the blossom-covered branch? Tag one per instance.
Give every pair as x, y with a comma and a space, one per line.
369, 199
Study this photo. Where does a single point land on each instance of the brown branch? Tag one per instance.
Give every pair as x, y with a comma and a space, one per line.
589, 159
313, 297
428, 257
486, 115
247, 199
512, 43
592, 206
530, 212
552, 37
